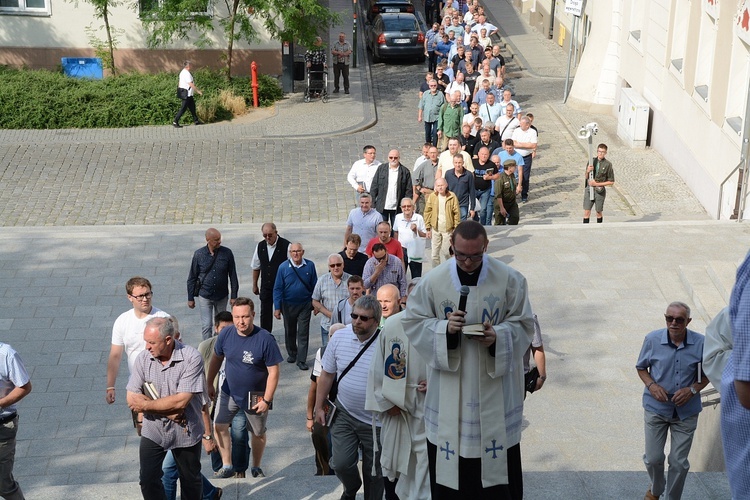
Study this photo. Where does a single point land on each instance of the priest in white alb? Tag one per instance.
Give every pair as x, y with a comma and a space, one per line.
475, 384
395, 393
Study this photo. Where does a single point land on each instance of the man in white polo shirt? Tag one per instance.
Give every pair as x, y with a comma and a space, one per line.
352, 425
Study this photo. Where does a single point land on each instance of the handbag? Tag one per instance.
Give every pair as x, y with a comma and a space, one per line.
530, 379
182, 93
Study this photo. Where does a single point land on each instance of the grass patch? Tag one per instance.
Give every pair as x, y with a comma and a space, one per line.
41, 99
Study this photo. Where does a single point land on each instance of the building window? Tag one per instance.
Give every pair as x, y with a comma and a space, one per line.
194, 7
679, 36
705, 59
26, 7
739, 72
637, 19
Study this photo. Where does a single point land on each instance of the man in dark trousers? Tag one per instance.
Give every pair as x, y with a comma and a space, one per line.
292, 297
269, 255
391, 183
212, 273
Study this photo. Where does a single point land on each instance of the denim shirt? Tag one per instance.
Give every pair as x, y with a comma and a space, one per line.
672, 368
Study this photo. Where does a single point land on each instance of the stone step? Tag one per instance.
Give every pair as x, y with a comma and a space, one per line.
723, 275
538, 485
702, 289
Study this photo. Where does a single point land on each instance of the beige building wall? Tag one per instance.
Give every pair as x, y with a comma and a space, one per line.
39, 41
687, 58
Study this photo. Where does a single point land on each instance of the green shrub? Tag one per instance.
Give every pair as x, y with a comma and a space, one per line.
41, 99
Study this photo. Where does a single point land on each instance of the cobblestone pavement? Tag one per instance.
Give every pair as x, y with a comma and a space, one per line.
292, 167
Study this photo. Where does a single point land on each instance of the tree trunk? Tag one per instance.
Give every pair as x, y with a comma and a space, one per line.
110, 44
230, 42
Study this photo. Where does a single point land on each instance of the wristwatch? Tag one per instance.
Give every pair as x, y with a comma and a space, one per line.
692, 389
208, 437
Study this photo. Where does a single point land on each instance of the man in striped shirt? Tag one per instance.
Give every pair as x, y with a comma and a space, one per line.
352, 426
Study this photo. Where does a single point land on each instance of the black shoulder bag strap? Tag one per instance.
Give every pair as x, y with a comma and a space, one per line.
199, 281
505, 128
307, 285
359, 355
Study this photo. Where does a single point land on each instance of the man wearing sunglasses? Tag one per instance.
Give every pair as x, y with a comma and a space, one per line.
269, 254
474, 348
670, 368
352, 426
330, 289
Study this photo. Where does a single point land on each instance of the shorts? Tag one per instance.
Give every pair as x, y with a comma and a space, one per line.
598, 199
227, 408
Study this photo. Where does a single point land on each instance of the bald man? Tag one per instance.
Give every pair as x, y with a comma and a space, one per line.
389, 297
211, 273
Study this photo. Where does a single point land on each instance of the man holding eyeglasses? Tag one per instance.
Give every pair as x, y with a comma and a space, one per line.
330, 289
669, 366
127, 332
269, 255
474, 404
352, 425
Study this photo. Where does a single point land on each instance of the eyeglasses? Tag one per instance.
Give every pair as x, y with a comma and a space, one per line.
393, 157
677, 319
144, 296
268, 235
407, 206
360, 316
295, 251
335, 265
463, 257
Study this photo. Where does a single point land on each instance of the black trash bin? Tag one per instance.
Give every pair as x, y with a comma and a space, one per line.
299, 70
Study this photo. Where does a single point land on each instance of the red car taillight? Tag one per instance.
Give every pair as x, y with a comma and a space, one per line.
381, 39
420, 38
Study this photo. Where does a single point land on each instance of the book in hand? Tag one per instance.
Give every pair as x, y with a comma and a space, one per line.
149, 390
253, 398
473, 329
329, 407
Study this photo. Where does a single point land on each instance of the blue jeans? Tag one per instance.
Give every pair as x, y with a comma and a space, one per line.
171, 475
485, 215
240, 444
430, 132
323, 337
464, 211
208, 309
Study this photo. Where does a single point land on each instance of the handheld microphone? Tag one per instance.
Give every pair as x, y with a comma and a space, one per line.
462, 300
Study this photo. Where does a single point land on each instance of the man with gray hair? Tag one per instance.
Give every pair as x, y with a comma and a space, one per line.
347, 357
669, 366
525, 142
330, 289
167, 385
292, 297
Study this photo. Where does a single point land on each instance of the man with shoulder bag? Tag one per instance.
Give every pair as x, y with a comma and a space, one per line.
347, 358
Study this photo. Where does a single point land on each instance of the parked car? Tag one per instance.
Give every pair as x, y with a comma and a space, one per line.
374, 7
395, 36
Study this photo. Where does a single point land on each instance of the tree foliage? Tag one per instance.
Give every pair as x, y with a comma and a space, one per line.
105, 49
293, 20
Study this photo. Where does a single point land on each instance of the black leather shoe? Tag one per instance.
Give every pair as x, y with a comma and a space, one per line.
302, 365
291, 359
198, 122
176, 125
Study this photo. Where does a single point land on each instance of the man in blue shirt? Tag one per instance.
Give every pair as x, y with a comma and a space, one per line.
211, 272
461, 183
252, 366
670, 367
735, 389
292, 298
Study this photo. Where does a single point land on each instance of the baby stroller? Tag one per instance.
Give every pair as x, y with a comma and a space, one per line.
317, 83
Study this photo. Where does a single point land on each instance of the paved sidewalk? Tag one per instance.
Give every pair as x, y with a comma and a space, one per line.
597, 290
